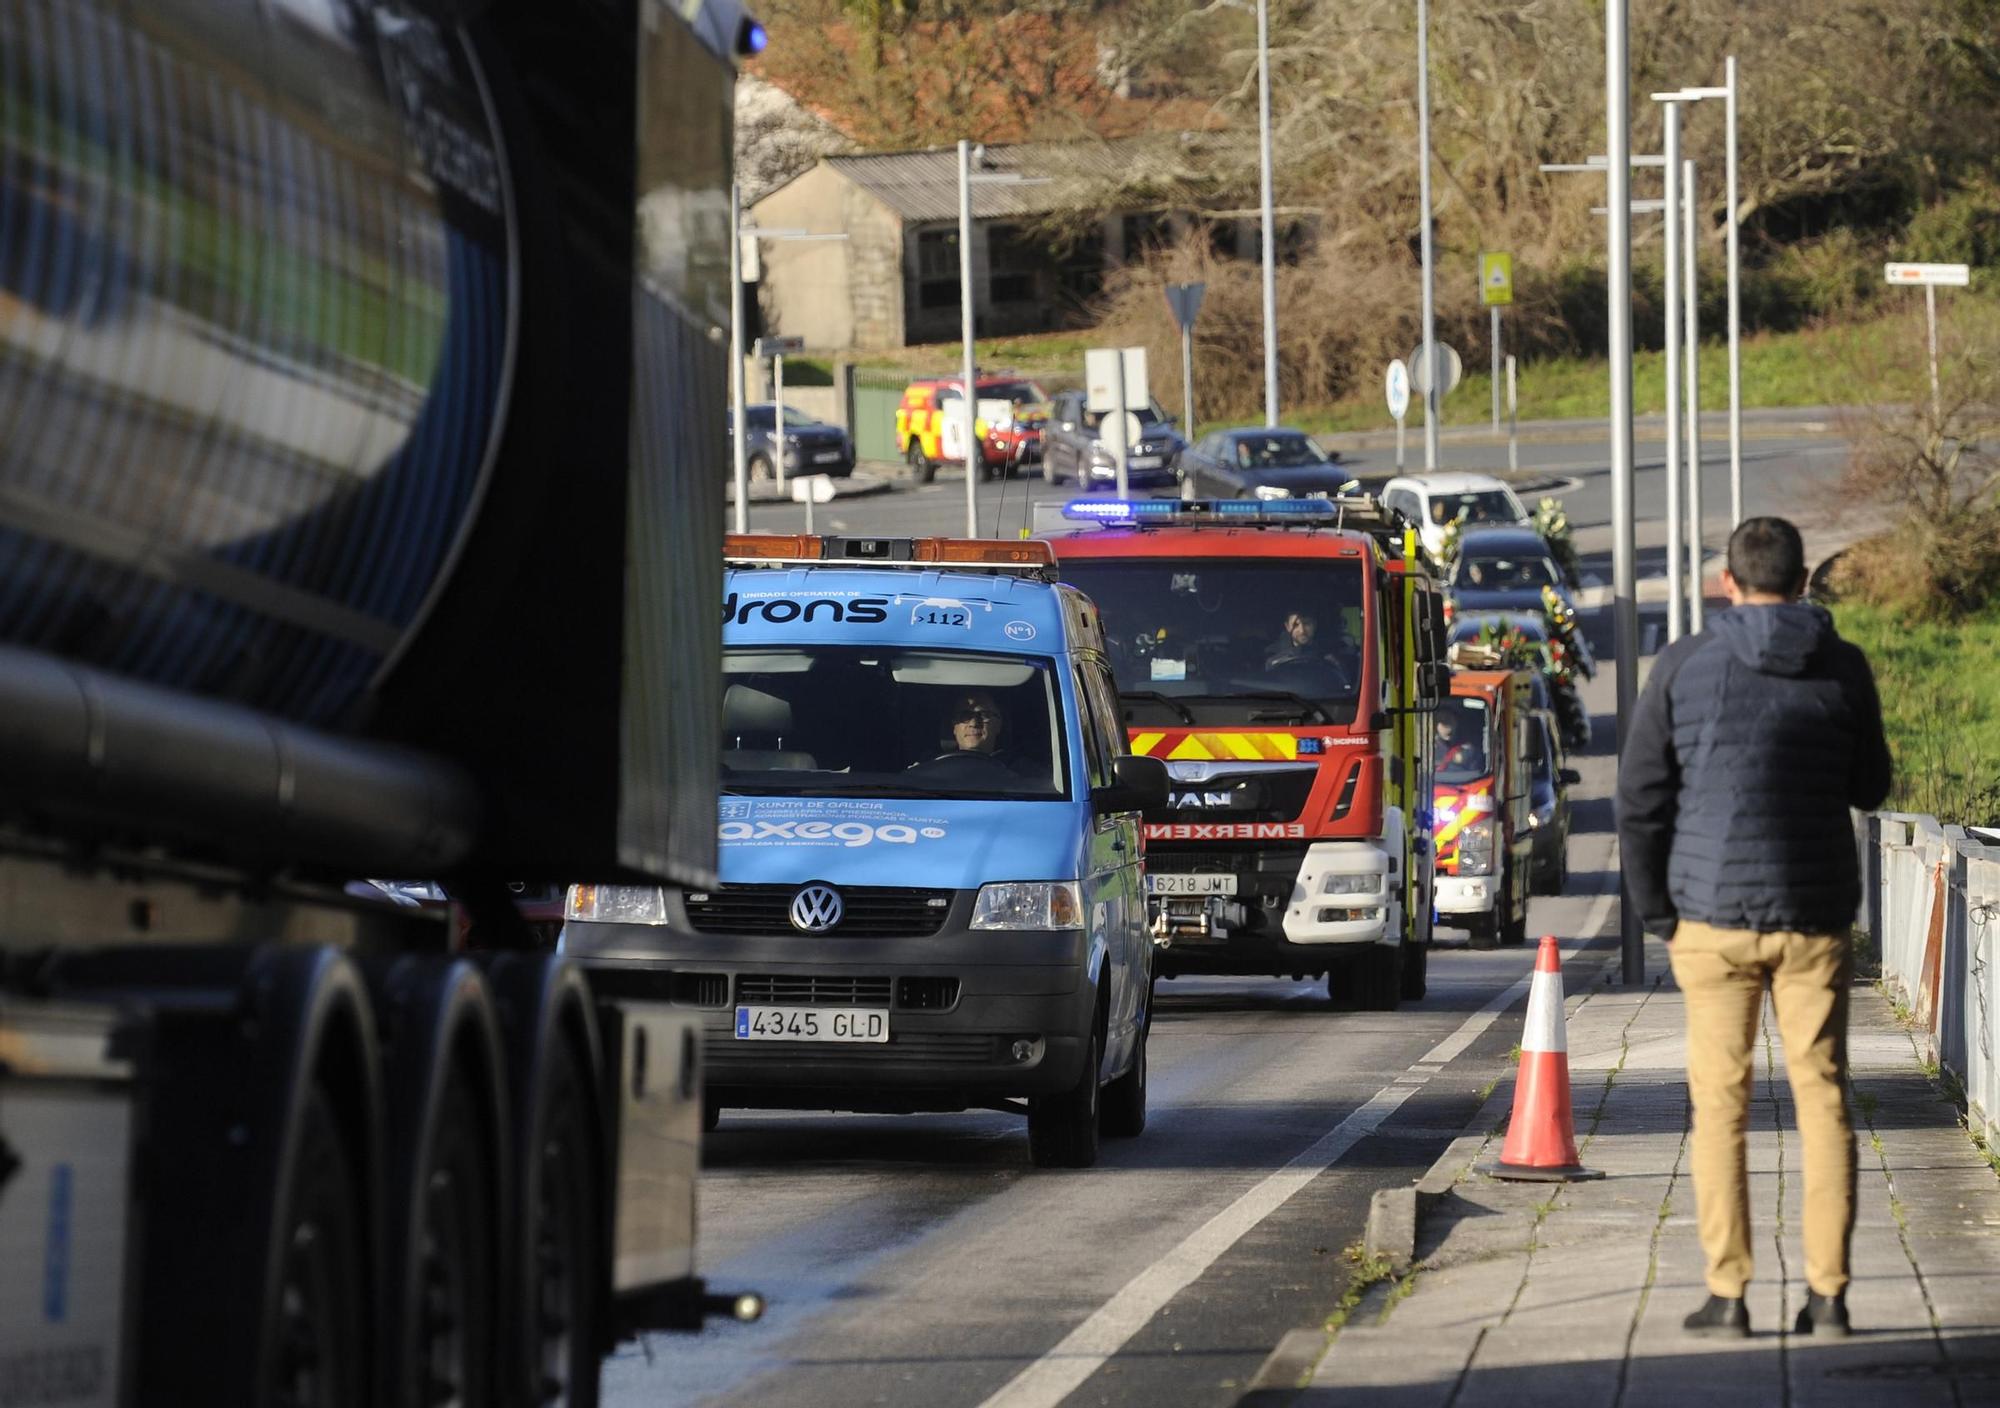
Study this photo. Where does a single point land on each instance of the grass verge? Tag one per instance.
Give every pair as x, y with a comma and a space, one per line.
1940, 688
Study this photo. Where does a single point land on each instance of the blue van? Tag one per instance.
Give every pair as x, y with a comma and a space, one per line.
931, 891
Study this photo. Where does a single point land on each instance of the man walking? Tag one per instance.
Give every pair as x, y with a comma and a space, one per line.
1749, 744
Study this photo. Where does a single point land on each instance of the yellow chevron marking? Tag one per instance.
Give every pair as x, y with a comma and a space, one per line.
1250, 747
1144, 743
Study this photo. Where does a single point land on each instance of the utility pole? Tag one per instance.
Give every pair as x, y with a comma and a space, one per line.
1676, 604
1618, 259
1690, 283
970, 406
739, 460
1270, 237
1430, 378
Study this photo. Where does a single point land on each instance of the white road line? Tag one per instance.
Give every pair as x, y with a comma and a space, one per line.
1083, 1351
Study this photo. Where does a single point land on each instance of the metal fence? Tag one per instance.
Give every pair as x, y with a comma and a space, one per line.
1933, 907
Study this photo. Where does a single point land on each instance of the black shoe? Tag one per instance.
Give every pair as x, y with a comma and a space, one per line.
1823, 1317
1720, 1317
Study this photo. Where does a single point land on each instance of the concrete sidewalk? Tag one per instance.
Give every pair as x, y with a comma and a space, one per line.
1573, 1294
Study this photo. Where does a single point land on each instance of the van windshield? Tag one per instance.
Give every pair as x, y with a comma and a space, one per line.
1230, 640
862, 721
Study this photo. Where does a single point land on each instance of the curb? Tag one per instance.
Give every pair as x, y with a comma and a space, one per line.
1395, 1221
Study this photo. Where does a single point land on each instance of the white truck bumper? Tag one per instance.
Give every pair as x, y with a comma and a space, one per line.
1328, 908
1465, 894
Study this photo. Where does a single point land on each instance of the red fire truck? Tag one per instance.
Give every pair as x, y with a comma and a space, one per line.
1279, 657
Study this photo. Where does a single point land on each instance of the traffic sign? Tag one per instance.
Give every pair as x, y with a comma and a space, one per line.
1396, 382
1496, 279
1102, 368
1944, 275
1184, 302
778, 346
812, 489
1450, 366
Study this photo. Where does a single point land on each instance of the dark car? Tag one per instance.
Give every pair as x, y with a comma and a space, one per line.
1504, 568
1514, 569
1261, 462
811, 446
1548, 802
1073, 447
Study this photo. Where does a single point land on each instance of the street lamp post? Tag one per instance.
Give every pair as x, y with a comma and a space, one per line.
1676, 607
1269, 235
968, 403
1618, 265
739, 460
1692, 288
970, 409
1430, 367
739, 436
1728, 93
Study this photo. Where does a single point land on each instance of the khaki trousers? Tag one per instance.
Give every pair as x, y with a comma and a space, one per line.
1722, 974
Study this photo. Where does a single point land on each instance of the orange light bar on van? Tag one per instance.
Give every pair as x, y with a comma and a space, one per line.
777, 547
992, 552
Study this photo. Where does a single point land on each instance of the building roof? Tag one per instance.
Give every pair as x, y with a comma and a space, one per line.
1155, 170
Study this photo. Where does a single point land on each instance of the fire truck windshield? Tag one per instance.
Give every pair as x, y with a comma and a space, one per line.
1461, 740
1230, 640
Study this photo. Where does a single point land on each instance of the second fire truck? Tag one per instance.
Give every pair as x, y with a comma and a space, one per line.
1282, 659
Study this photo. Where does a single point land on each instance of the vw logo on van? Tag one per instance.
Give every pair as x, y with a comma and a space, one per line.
816, 908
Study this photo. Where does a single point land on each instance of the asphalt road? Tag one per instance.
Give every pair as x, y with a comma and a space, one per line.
921, 1261
1785, 470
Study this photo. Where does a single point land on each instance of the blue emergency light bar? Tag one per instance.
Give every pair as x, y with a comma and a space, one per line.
1141, 511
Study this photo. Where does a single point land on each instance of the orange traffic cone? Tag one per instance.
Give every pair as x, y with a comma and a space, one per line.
1541, 1136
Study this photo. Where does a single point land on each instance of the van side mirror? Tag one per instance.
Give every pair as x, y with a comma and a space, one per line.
1141, 786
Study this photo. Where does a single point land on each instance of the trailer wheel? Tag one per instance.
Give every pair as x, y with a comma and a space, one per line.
564, 1260
321, 1356
453, 1344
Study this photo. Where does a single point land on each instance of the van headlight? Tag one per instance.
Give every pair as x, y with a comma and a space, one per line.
1028, 904
1368, 884
1475, 847
1272, 491
616, 904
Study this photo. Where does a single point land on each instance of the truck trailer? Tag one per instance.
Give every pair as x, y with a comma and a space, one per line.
361, 394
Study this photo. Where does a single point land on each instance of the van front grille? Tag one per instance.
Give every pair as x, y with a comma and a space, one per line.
867, 911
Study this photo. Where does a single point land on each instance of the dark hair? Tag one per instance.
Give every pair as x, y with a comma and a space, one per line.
1767, 555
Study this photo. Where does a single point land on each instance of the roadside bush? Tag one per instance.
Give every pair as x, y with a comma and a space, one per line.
1963, 228
1939, 466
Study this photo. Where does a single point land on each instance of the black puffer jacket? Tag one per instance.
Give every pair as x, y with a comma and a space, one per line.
1748, 746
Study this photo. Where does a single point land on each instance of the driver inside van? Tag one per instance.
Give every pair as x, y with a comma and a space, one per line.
976, 722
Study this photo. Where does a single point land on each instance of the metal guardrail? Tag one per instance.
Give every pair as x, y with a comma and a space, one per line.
1932, 897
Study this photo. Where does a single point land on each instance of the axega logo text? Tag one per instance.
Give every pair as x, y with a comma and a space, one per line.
827, 833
